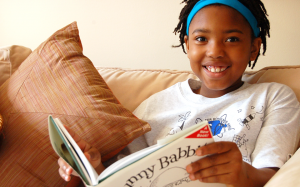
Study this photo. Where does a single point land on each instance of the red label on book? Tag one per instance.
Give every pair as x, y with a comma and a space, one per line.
202, 133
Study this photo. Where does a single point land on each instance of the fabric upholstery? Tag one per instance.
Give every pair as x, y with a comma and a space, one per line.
1, 127
142, 83
58, 79
287, 75
288, 175
11, 58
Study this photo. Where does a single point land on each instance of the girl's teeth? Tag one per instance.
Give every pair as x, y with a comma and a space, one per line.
216, 69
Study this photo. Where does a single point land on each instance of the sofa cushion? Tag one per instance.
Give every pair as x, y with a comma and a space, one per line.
58, 79
142, 82
287, 75
11, 58
288, 175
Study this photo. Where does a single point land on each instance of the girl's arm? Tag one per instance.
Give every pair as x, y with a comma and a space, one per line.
259, 177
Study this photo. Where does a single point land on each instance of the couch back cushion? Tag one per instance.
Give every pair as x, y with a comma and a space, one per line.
288, 75
142, 83
11, 58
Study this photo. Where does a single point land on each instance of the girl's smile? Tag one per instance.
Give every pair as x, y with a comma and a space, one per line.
220, 45
215, 71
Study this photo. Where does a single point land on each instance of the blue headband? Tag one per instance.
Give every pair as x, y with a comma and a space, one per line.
231, 3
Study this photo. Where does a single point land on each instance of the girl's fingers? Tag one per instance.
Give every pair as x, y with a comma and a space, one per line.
64, 170
93, 156
63, 175
65, 166
225, 179
80, 142
225, 160
214, 160
216, 148
214, 171
73, 134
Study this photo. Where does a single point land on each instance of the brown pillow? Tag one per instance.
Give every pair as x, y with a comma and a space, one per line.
58, 79
1, 128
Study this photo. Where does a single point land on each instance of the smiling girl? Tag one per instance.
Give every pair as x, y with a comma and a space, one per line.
255, 126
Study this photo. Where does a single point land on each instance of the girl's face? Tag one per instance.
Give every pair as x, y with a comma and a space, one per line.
219, 47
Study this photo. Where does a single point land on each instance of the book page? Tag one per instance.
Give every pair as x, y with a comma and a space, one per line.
128, 160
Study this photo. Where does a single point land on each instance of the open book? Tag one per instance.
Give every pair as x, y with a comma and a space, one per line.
161, 165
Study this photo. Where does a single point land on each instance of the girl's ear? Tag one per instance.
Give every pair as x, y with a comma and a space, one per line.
186, 41
255, 48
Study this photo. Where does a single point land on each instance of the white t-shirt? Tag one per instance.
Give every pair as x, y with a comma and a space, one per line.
262, 119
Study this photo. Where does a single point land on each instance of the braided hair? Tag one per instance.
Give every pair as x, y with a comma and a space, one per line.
255, 6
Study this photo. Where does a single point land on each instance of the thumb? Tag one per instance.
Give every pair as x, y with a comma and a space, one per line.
93, 156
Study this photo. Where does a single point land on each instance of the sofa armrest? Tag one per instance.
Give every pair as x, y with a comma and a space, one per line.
288, 175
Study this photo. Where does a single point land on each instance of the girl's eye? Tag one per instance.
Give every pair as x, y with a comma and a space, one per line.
232, 39
201, 39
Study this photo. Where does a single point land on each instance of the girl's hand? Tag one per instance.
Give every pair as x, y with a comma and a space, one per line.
225, 165
91, 153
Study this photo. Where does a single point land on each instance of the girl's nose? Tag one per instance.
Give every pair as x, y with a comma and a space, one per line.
215, 49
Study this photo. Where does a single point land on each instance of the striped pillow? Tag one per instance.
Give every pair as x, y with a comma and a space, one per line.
1, 128
58, 79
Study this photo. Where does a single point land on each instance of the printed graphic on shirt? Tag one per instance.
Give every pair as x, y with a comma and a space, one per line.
182, 119
219, 125
247, 121
241, 143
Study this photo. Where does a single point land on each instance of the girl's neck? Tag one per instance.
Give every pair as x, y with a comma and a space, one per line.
206, 92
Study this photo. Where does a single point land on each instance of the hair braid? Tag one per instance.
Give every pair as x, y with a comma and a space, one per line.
255, 6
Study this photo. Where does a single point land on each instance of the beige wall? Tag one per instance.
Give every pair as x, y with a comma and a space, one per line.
134, 33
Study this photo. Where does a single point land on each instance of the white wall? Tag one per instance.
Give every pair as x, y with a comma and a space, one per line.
134, 33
